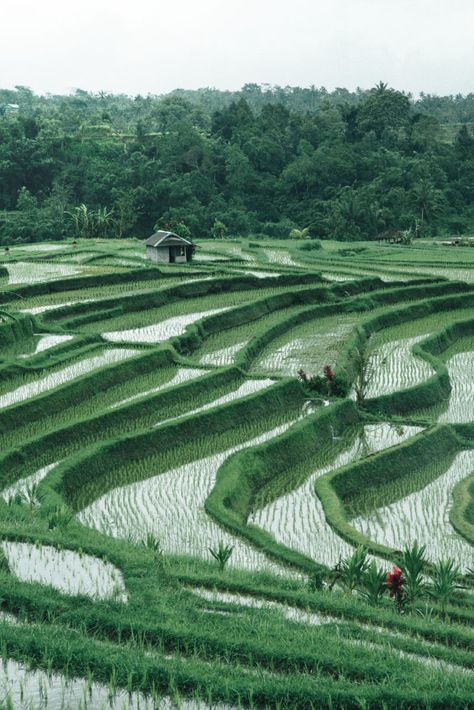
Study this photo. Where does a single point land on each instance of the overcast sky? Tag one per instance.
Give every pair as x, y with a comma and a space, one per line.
154, 46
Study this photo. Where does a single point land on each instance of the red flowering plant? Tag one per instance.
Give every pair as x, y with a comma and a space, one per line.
329, 375
394, 581
328, 385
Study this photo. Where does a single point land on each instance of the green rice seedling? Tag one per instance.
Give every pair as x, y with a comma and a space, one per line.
152, 542
421, 325
444, 582
461, 374
393, 367
373, 585
155, 323
4, 566
33, 388
290, 511
412, 562
221, 554
66, 570
44, 302
309, 346
23, 688
171, 503
417, 506
29, 272
144, 485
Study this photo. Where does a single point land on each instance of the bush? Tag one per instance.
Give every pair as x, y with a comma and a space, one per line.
278, 230
320, 385
310, 245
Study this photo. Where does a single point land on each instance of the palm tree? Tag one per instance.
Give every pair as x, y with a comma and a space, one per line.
299, 233
380, 88
427, 199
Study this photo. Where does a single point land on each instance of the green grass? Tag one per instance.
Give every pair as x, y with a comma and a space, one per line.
190, 631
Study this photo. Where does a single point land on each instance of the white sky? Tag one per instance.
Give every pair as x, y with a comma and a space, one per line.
154, 46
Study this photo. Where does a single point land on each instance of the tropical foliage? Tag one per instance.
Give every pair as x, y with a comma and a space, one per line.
269, 161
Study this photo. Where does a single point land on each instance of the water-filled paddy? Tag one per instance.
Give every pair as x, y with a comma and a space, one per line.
171, 507
65, 570
424, 516
297, 518
140, 451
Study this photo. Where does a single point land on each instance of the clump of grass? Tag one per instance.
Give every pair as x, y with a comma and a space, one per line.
60, 518
221, 554
316, 581
153, 543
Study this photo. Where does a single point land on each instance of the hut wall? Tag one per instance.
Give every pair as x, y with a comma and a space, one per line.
158, 254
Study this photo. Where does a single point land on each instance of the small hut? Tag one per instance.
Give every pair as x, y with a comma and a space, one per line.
168, 248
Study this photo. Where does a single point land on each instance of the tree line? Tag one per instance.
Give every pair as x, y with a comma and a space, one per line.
262, 161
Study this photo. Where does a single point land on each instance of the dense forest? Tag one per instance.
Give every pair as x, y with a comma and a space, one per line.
260, 161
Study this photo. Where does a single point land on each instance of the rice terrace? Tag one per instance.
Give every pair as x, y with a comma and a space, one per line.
244, 480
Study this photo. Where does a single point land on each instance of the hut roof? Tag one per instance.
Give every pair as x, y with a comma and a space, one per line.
164, 239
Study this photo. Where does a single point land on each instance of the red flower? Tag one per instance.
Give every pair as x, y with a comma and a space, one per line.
328, 372
395, 581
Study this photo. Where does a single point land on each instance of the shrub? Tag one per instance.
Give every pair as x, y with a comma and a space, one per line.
310, 245
412, 561
373, 585
352, 570
445, 576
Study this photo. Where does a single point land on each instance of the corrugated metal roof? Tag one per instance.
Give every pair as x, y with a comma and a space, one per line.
160, 238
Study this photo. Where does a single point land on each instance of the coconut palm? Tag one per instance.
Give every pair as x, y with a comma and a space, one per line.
427, 199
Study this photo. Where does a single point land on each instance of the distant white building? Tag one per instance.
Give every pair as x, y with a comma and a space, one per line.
11, 108
168, 248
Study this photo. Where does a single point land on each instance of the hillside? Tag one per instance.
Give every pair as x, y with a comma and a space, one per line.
186, 522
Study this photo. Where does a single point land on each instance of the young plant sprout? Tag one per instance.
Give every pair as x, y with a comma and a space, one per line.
221, 554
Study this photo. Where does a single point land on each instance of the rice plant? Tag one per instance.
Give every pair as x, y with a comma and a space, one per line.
155, 613
68, 571
423, 514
